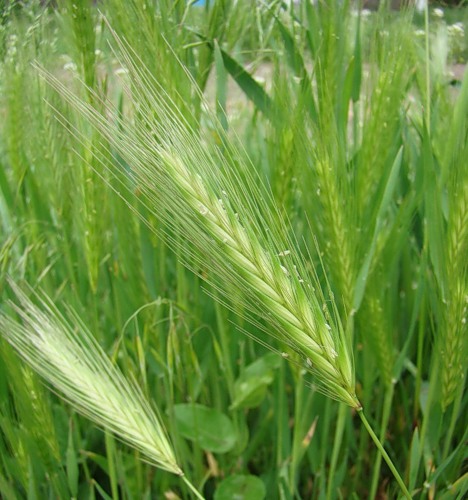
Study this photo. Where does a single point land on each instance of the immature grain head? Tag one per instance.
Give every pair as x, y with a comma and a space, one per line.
65, 353
214, 200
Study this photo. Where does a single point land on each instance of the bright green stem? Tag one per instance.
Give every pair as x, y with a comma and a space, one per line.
383, 429
192, 488
385, 456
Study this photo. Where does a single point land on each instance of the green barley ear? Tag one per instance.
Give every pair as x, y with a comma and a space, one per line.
66, 354
234, 231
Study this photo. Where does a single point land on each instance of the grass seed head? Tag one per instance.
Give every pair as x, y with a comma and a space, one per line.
233, 227
65, 353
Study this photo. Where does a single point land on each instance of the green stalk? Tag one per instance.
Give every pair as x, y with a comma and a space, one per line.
192, 488
384, 454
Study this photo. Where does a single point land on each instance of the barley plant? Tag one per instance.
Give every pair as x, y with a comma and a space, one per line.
234, 237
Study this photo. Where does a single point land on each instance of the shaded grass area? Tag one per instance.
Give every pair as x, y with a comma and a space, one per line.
343, 174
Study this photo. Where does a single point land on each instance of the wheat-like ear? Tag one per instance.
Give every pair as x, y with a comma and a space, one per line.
234, 231
66, 354
226, 224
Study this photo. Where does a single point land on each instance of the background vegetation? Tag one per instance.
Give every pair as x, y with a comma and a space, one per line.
354, 128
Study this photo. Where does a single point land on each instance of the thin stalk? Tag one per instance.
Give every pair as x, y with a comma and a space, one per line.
383, 429
385, 456
192, 488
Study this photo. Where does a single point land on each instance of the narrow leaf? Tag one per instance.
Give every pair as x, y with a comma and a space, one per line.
386, 198
252, 89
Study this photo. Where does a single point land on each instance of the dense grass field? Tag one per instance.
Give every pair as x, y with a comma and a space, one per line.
233, 251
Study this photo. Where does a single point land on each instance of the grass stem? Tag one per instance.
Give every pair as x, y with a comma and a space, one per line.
385, 455
192, 488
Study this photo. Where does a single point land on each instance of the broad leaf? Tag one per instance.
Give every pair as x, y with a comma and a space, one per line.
211, 429
240, 488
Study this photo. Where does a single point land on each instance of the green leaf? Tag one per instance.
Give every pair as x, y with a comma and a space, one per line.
32, 482
240, 487
458, 451
5, 188
99, 460
357, 64
313, 29
346, 94
211, 429
7, 490
297, 64
101, 491
252, 89
458, 489
415, 457
361, 280
433, 209
250, 388
221, 86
